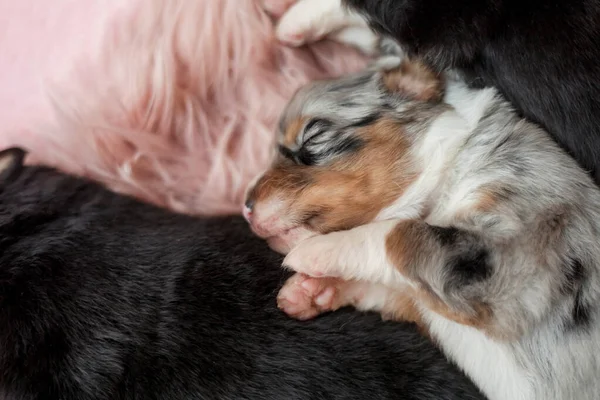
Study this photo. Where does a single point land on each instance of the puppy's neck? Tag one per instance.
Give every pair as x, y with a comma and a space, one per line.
470, 104
436, 151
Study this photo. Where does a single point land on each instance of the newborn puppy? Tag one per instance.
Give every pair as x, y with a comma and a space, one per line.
106, 298
436, 203
542, 55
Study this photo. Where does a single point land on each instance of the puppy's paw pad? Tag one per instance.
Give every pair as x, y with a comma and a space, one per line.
304, 298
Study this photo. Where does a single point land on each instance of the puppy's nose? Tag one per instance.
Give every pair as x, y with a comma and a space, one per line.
247, 211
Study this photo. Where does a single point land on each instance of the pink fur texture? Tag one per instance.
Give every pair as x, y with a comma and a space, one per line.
179, 107
37, 42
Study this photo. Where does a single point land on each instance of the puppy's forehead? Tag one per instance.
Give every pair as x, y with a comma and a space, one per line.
340, 101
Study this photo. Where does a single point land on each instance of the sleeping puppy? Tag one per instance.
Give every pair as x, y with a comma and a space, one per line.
106, 298
436, 203
542, 55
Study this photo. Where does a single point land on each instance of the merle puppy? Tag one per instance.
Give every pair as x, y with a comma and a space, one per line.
541, 54
104, 297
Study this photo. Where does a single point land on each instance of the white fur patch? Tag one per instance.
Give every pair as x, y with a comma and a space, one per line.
489, 363
471, 104
356, 254
440, 144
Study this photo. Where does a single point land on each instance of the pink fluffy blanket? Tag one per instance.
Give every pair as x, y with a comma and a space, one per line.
177, 104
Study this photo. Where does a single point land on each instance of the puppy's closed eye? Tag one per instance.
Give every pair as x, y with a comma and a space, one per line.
300, 157
315, 128
286, 153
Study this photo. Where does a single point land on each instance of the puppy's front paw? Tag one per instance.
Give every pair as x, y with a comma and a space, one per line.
318, 256
303, 297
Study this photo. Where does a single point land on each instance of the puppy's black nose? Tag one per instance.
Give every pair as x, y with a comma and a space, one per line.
249, 204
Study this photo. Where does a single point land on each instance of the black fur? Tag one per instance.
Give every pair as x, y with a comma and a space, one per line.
447, 236
13, 157
469, 267
581, 312
469, 261
574, 284
103, 297
542, 55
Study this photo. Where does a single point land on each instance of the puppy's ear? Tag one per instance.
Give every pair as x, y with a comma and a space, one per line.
11, 163
414, 80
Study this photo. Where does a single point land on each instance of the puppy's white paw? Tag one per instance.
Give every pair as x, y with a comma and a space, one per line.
303, 297
319, 256
358, 254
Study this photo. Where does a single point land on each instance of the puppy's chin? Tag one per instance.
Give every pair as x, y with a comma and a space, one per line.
288, 240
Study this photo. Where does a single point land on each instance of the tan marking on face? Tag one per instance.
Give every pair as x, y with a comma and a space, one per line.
292, 131
348, 192
404, 245
279, 186
355, 188
416, 80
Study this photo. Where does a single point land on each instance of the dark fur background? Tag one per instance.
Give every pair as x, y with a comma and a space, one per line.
103, 297
543, 55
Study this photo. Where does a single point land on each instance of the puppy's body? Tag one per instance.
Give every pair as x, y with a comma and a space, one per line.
541, 55
536, 217
103, 297
440, 205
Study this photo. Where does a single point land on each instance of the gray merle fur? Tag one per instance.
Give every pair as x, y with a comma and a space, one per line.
541, 54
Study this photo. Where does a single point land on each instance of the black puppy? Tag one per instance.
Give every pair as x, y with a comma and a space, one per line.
104, 297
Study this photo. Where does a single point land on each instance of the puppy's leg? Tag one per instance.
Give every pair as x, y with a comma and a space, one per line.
356, 254
303, 297
452, 272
